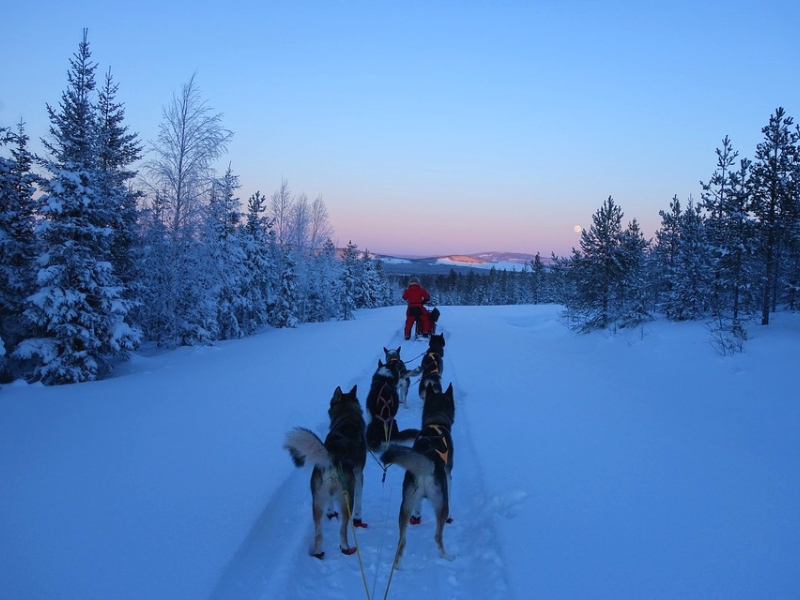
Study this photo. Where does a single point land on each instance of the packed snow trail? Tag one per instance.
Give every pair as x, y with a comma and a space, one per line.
267, 568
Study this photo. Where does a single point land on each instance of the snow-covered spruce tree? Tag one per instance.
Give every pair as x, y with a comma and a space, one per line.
368, 293
599, 271
664, 256
382, 286
119, 149
78, 309
730, 229
283, 311
633, 289
350, 281
537, 292
775, 198
258, 283
17, 243
693, 276
325, 281
225, 257
562, 284
154, 313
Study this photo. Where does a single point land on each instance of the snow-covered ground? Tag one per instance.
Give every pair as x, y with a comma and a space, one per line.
641, 465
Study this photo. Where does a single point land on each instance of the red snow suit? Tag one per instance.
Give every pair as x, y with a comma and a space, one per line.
416, 296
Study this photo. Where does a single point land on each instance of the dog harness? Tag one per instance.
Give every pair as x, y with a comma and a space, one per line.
435, 360
436, 442
383, 405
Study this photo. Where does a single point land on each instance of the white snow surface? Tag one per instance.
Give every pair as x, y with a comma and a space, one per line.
635, 465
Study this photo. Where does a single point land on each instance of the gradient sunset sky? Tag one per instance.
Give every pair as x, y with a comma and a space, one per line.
435, 127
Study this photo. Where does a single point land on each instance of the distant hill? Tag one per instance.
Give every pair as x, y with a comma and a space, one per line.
509, 261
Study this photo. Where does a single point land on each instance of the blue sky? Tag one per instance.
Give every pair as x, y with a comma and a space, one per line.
438, 127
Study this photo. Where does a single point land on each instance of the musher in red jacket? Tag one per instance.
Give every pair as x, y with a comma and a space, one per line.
416, 296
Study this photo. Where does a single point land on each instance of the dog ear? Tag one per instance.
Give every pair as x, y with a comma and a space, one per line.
380, 364
385, 350
398, 350
353, 391
429, 391
449, 391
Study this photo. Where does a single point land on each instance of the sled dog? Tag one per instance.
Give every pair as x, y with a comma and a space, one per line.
428, 464
432, 366
402, 373
382, 405
338, 464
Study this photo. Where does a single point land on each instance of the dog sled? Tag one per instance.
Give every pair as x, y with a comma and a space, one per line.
425, 322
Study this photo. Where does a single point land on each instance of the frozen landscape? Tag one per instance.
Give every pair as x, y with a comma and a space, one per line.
636, 465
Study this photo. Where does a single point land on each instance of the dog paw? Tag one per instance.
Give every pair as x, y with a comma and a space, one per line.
349, 551
359, 523
449, 520
333, 515
414, 520
319, 555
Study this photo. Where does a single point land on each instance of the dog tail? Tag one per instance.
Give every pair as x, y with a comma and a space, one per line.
305, 446
405, 435
414, 372
410, 460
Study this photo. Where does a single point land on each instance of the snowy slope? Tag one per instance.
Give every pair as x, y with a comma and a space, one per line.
636, 465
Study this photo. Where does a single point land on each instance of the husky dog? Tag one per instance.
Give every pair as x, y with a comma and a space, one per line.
338, 465
382, 405
403, 374
428, 464
432, 366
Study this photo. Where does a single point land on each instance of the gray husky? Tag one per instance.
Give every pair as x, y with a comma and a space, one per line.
338, 465
403, 374
428, 464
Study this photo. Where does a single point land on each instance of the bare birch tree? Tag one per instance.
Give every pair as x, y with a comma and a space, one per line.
191, 138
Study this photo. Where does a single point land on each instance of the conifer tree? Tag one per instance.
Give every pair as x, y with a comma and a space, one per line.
350, 281
225, 257
633, 289
155, 313
78, 309
726, 198
283, 312
598, 269
17, 241
118, 150
324, 284
664, 255
693, 276
537, 278
256, 285
775, 198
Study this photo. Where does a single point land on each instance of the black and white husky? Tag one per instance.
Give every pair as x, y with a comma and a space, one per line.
338, 465
403, 374
428, 464
382, 405
432, 366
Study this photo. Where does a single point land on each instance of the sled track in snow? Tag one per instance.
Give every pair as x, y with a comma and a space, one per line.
273, 563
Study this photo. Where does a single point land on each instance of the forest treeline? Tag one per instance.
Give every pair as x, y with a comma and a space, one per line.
106, 244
